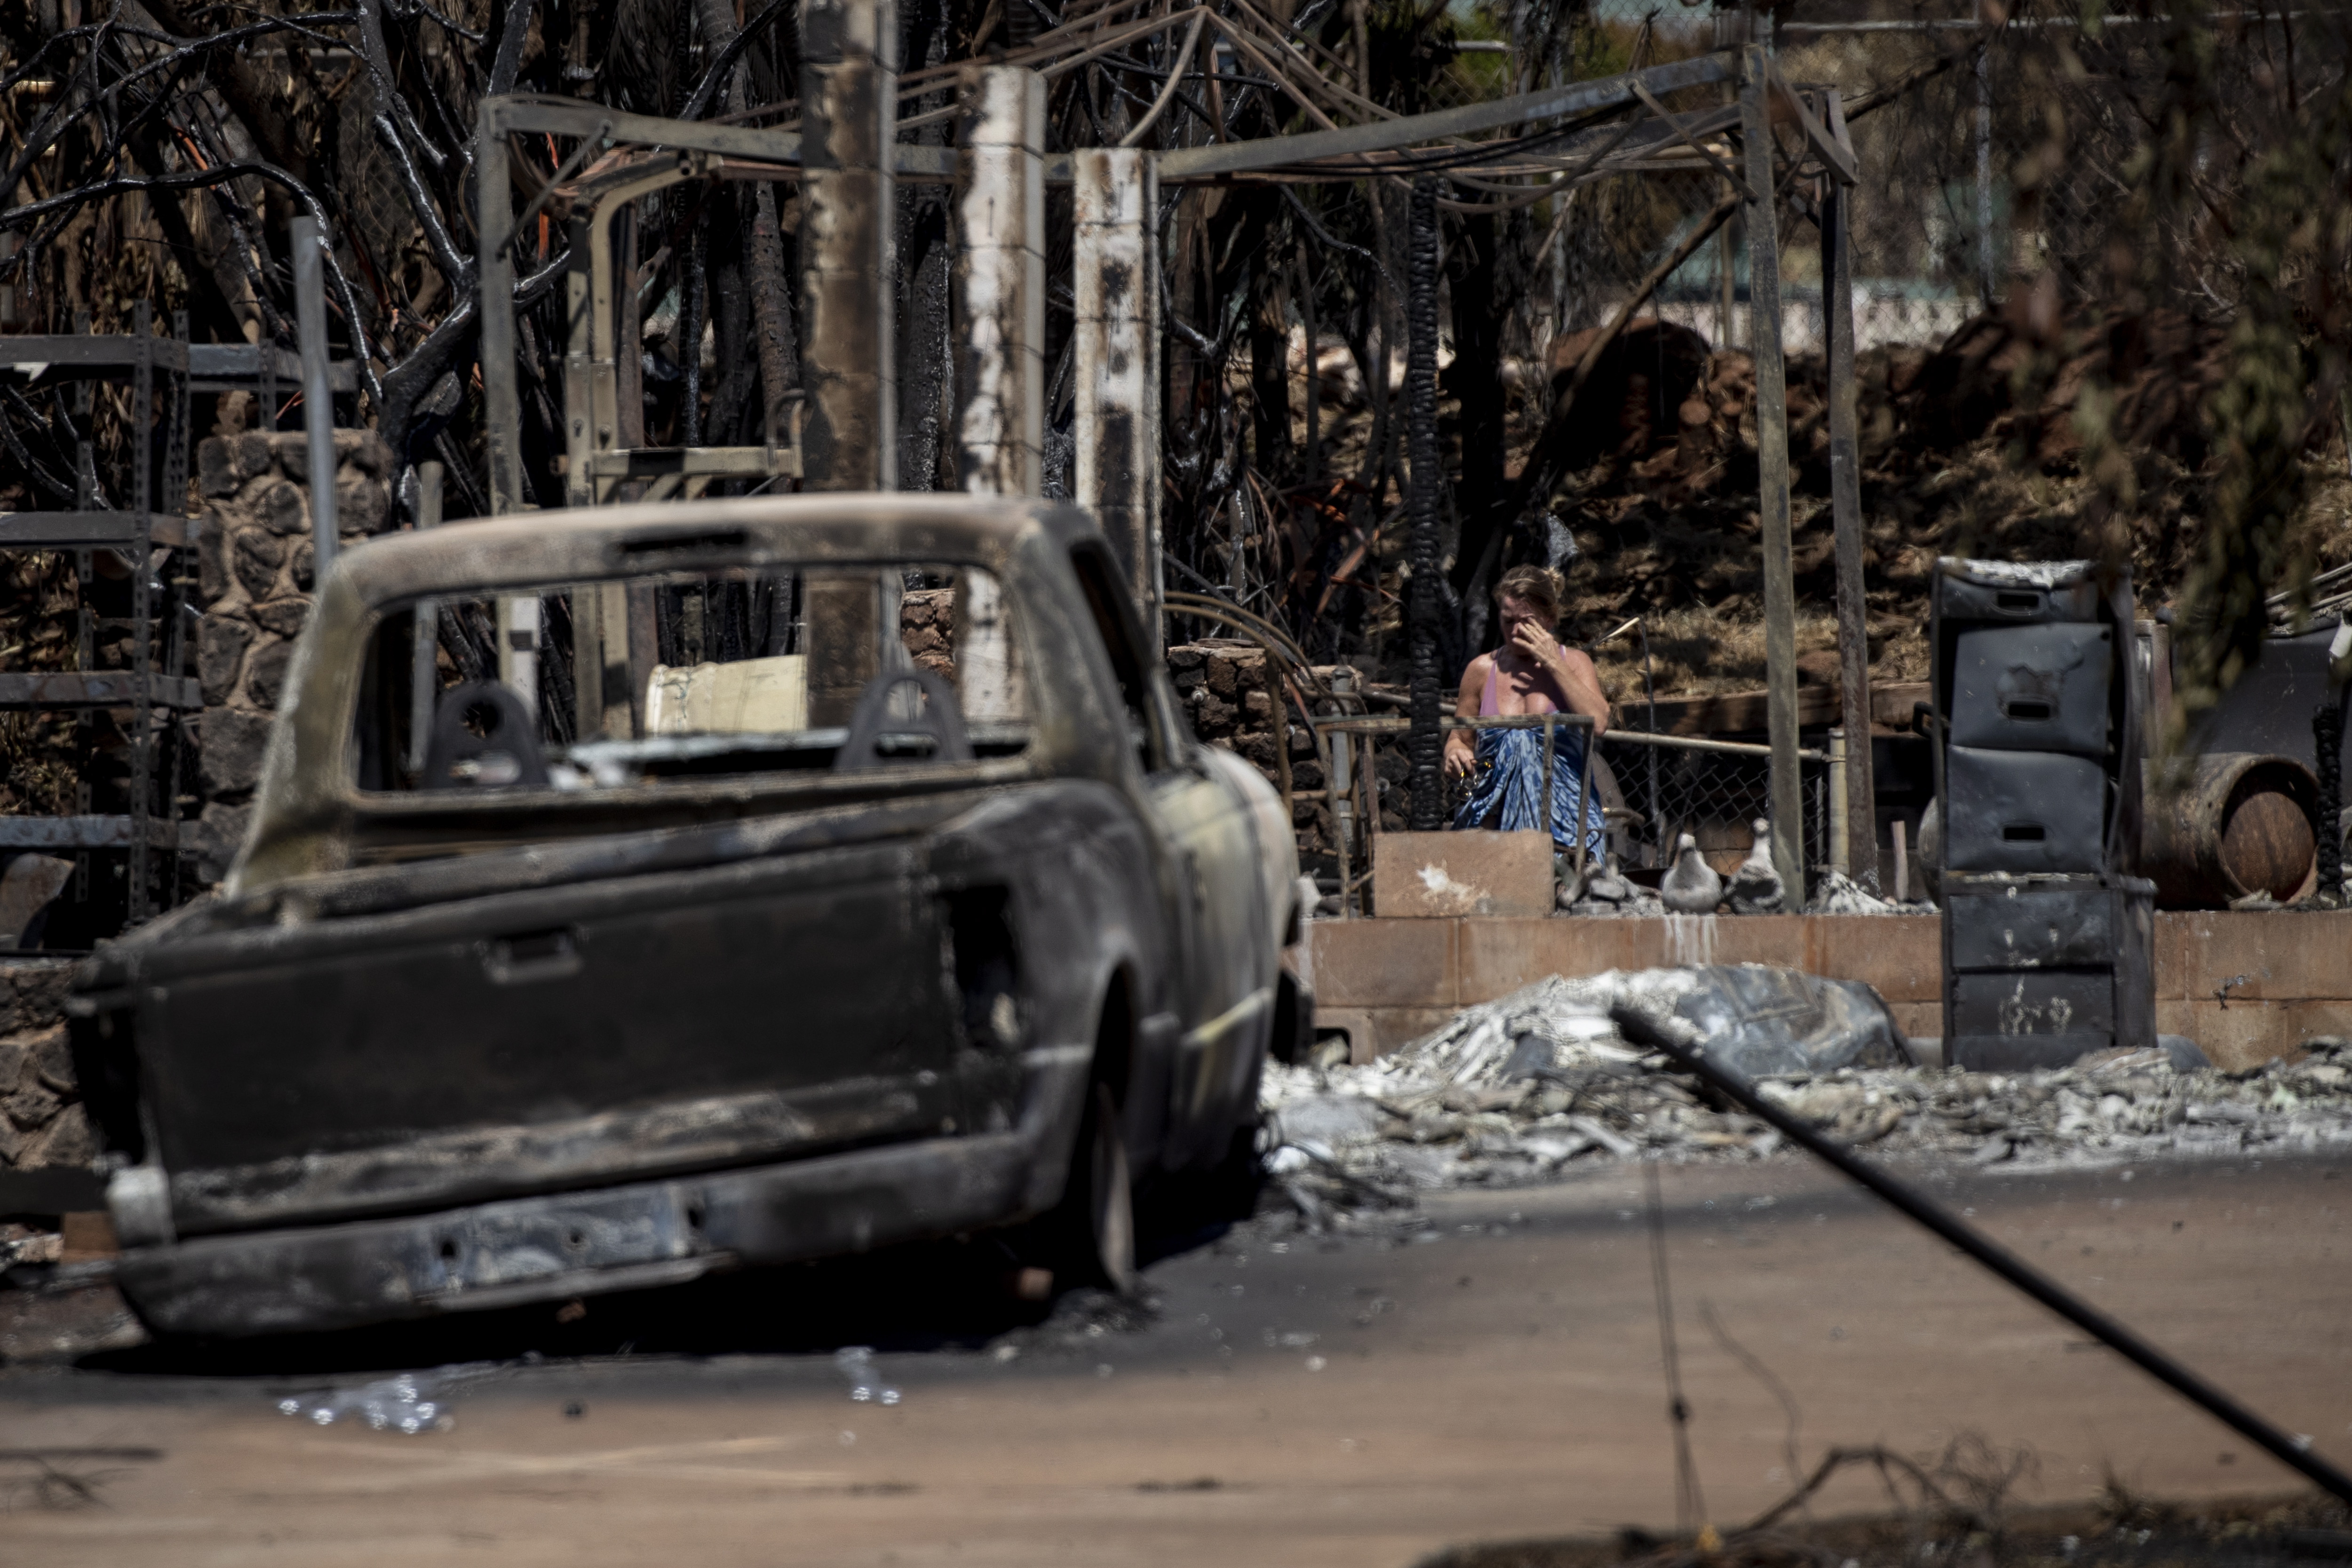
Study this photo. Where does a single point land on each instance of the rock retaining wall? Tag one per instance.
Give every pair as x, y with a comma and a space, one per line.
256, 565
41, 1120
1222, 688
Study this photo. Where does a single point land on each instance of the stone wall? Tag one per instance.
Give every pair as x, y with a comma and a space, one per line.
1222, 685
255, 561
41, 1120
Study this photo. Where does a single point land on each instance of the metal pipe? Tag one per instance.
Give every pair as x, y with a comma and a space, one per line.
318, 399
1840, 805
1550, 725
1689, 1054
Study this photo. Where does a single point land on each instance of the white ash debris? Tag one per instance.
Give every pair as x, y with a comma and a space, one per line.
1838, 894
1510, 1092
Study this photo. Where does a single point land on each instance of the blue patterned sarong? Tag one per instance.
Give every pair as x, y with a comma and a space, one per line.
1505, 792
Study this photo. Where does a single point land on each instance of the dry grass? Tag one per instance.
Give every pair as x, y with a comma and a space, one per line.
1697, 652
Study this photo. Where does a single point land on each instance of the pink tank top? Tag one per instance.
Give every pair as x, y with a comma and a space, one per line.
1489, 704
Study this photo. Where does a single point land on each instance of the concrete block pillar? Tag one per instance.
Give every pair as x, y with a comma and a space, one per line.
849, 82
1001, 284
1116, 290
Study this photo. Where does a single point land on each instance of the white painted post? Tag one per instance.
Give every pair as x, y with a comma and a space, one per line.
1001, 284
1116, 285
518, 648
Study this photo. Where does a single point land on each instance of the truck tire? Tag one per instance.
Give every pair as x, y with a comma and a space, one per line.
1094, 1228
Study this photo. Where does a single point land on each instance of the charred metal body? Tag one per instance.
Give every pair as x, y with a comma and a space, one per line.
2048, 937
453, 1049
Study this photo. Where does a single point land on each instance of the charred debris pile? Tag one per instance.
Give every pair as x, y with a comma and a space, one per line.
1516, 1092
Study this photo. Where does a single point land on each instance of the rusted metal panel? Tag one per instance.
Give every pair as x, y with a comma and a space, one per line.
1116, 294
848, 232
1001, 284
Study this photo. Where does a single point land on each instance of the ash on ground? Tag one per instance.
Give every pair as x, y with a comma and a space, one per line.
1515, 1091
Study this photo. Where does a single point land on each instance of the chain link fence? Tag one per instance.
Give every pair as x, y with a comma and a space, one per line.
1647, 793
1715, 795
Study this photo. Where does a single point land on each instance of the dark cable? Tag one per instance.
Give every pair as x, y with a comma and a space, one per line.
1680, 1042
1690, 1507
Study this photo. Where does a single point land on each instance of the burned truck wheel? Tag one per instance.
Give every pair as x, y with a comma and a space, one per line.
1092, 1233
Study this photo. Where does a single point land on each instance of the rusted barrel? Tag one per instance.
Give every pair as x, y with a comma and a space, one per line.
2227, 825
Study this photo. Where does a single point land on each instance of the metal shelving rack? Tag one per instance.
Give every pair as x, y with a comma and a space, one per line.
148, 832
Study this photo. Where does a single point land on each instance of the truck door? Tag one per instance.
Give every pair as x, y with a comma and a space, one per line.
1211, 888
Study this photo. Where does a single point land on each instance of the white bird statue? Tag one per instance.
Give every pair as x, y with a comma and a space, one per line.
1690, 886
1756, 887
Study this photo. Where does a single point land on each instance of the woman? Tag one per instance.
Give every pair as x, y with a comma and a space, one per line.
1530, 673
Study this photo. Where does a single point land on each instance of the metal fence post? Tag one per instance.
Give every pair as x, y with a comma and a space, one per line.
318, 400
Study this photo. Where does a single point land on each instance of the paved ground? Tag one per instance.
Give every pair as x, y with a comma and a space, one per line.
1295, 1401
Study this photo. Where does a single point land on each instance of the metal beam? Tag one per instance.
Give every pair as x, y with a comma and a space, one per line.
1389, 135
1834, 151
106, 689
81, 833
1772, 485
494, 260
83, 350
93, 529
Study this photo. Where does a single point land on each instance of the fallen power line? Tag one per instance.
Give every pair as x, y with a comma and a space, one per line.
1683, 1045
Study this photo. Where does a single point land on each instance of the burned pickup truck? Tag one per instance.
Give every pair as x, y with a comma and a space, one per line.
641, 892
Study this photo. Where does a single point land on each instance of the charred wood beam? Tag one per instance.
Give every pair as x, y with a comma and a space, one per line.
849, 93
1422, 603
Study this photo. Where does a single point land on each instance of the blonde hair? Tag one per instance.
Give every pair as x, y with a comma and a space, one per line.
1538, 587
